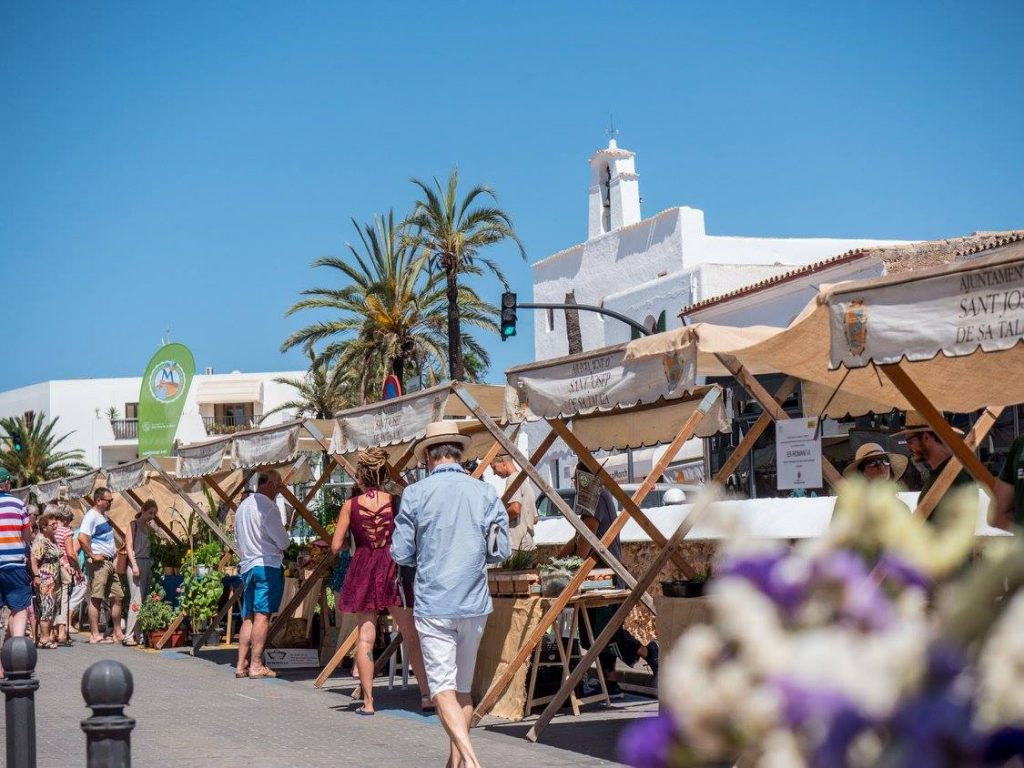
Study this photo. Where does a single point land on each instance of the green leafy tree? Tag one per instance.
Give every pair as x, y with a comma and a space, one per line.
451, 233
389, 316
320, 393
40, 457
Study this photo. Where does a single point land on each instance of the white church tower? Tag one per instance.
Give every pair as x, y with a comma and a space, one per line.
614, 190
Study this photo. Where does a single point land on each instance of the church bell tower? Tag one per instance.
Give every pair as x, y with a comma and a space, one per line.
614, 190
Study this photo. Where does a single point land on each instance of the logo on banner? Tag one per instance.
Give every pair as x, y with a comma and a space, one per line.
856, 327
166, 382
674, 364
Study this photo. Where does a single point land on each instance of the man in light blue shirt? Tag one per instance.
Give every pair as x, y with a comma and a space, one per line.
450, 526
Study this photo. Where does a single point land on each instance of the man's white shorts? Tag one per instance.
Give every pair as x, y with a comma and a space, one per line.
449, 651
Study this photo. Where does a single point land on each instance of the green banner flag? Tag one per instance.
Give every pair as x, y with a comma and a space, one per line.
164, 389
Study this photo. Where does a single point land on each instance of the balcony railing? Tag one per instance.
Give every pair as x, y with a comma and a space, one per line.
225, 425
125, 429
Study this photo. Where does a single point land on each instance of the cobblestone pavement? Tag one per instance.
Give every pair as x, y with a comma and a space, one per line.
191, 711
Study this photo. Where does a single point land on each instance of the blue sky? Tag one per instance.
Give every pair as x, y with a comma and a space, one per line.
182, 164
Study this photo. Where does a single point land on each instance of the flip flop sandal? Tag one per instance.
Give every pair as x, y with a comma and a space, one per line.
240, 675
364, 713
269, 673
129, 643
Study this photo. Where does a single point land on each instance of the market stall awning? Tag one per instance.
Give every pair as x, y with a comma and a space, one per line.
614, 402
958, 310
800, 351
395, 424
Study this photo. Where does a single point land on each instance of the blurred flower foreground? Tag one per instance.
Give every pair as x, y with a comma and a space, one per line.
879, 644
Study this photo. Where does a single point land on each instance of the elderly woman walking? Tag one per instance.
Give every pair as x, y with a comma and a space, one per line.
372, 583
46, 567
140, 567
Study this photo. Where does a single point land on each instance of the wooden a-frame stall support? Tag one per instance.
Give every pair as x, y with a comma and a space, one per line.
395, 426
613, 403
247, 453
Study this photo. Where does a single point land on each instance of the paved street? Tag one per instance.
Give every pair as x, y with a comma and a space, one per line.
191, 711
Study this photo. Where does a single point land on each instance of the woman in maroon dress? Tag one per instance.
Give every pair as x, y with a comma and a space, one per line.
371, 583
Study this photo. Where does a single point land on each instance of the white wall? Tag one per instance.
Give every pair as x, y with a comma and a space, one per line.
662, 263
80, 405
779, 304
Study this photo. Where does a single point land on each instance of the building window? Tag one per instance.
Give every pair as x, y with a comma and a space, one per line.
551, 319
233, 414
29, 416
131, 410
606, 200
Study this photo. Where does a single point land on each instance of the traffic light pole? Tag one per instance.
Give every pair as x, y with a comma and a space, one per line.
591, 308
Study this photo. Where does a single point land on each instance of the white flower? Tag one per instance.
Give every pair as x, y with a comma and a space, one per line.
1001, 670
781, 750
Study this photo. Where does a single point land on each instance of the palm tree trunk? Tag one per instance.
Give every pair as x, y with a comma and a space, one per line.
398, 368
455, 367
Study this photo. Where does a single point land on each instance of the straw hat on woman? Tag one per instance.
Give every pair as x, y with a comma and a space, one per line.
873, 462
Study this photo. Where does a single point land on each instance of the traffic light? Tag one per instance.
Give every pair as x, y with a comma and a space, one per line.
508, 315
16, 440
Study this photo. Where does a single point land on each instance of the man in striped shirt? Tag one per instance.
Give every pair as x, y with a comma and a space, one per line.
15, 537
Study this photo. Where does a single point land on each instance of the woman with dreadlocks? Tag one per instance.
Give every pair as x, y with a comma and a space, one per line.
372, 584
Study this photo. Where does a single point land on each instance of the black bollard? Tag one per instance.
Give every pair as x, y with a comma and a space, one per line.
18, 657
107, 686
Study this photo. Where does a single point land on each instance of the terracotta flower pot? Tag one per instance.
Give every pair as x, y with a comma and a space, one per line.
176, 640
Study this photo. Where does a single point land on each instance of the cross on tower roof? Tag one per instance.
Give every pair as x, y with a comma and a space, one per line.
611, 130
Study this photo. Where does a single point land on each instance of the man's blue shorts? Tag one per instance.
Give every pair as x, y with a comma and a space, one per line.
15, 588
262, 588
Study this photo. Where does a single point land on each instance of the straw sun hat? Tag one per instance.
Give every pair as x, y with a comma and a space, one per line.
916, 424
439, 432
870, 451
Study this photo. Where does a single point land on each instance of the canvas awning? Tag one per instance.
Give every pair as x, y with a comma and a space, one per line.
959, 310
222, 390
597, 381
800, 351
395, 424
614, 402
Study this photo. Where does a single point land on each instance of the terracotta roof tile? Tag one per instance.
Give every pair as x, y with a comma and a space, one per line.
905, 257
786, 277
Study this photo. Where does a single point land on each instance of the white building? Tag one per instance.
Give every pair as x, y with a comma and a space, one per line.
648, 269
216, 404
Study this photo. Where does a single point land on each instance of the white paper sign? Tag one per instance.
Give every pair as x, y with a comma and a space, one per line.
798, 453
292, 658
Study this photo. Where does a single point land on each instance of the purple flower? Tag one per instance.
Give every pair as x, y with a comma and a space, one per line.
893, 567
862, 601
764, 572
1003, 745
649, 743
846, 725
801, 704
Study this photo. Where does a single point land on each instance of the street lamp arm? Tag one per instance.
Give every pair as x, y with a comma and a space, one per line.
591, 308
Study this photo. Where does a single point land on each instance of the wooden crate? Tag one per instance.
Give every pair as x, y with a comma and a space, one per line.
511, 583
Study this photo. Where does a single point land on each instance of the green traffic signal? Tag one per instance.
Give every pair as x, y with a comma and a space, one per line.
508, 315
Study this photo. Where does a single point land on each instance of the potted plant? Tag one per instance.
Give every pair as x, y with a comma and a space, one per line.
155, 616
695, 586
202, 586
515, 576
556, 574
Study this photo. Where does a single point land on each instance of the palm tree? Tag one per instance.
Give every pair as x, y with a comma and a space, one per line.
392, 310
451, 234
321, 393
39, 458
